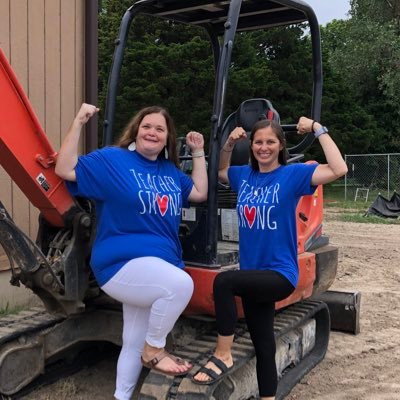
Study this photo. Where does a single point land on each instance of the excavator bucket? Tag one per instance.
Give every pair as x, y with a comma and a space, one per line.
25, 152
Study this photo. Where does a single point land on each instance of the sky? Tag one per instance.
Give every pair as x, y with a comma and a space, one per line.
327, 10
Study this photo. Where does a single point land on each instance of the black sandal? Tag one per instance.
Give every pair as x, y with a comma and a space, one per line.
214, 376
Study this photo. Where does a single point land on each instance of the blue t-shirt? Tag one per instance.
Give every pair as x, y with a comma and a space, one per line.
138, 207
266, 208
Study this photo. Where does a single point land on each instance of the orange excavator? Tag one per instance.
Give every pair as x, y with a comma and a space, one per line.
55, 265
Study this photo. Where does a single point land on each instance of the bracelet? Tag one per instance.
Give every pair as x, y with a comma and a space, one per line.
312, 126
198, 154
227, 151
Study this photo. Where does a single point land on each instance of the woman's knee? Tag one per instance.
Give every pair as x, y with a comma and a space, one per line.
223, 280
187, 284
182, 285
174, 280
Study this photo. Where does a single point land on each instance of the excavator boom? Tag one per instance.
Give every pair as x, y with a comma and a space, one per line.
25, 152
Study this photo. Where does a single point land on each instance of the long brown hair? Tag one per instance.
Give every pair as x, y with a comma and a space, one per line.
130, 132
277, 129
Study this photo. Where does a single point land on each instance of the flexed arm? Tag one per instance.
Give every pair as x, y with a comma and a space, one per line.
226, 153
336, 166
68, 154
195, 141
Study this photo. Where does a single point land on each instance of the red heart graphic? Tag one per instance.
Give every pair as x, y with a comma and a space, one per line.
250, 214
162, 203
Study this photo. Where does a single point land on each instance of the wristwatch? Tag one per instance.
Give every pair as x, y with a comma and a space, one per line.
321, 131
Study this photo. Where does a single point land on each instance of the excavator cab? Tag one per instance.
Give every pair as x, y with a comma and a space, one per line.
222, 21
56, 267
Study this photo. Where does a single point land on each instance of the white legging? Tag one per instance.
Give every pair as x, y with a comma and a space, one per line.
153, 293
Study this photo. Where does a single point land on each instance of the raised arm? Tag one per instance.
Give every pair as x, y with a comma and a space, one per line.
195, 141
68, 155
336, 166
226, 153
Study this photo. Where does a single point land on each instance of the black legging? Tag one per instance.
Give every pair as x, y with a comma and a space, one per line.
259, 291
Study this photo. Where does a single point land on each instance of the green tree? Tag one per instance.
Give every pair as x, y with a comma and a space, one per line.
164, 64
172, 65
365, 52
273, 64
349, 122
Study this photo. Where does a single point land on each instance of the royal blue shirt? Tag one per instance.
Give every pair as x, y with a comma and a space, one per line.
138, 207
266, 208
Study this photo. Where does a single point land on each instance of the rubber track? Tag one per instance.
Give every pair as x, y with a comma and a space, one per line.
13, 326
34, 322
159, 386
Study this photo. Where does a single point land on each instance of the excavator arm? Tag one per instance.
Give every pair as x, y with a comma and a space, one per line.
59, 277
26, 154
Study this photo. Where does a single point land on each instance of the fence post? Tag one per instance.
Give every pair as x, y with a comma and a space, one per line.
345, 180
368, 171
388, 177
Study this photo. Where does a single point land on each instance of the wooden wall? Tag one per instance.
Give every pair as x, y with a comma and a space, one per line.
44, 42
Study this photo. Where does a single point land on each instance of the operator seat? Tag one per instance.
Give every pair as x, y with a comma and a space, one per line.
248, 113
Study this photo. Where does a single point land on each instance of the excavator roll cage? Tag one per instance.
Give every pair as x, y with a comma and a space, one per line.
222, 20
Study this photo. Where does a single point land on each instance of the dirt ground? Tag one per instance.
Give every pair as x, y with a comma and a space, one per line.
361, 367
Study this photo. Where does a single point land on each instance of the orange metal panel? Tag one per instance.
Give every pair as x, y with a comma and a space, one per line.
307, 267
202, 301
309, 217
25, 152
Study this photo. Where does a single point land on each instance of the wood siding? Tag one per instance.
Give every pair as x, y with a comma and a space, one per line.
44, 42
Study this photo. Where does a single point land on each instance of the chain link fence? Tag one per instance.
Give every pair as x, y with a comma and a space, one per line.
371, 174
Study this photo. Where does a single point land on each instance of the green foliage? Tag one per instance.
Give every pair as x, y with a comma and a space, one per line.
164, 64
365, 52
379, 10
367, 219
172, 65
273, 64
